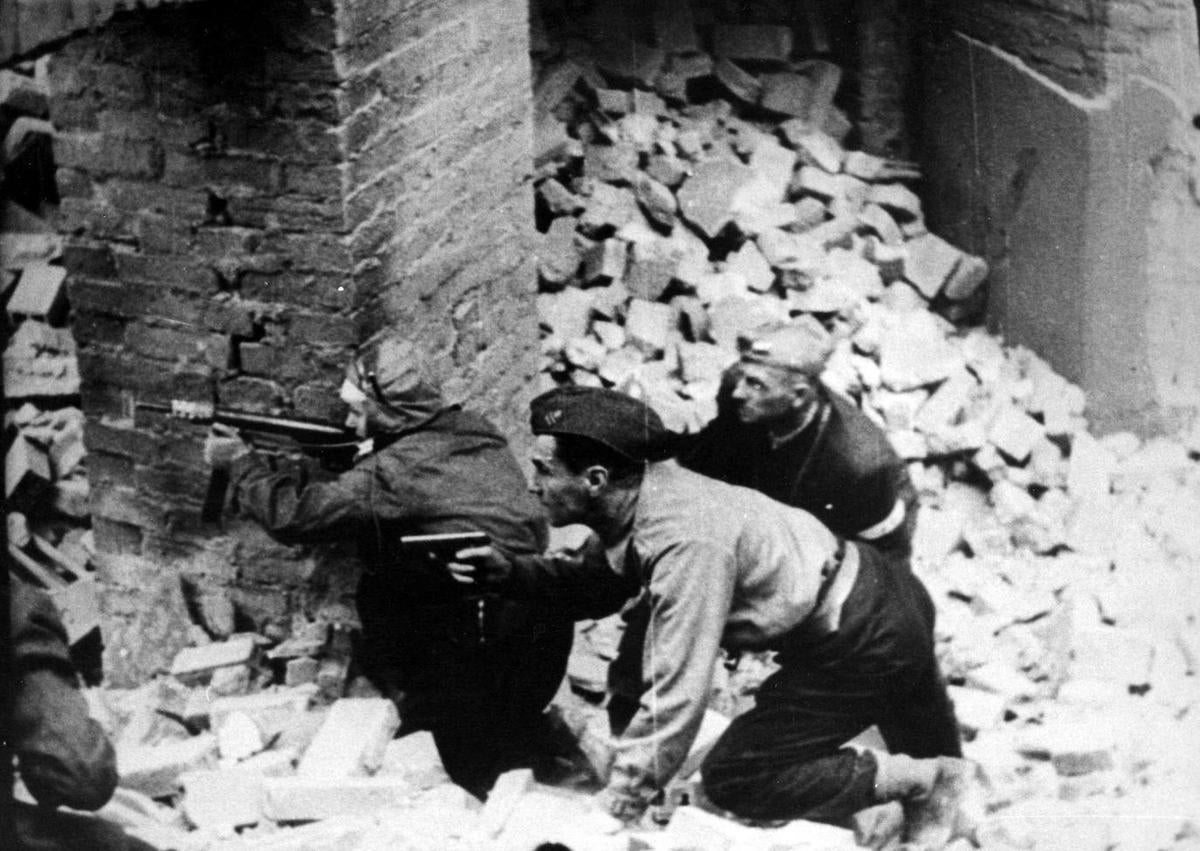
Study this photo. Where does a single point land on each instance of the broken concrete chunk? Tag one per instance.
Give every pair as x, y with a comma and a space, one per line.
502, 800
353, 739
238, 737
39, 294
271, 711
648, 325
750, 263
706, 198
788, 94
1014, 433
821, 150
558, 199
931, 260
977, 711
881, 222
614, 101
416, 758
566, 313
196, 660
656, 199
896, 198
154, 770
304, 798
558, 254
968, 276
605, 262
741, 84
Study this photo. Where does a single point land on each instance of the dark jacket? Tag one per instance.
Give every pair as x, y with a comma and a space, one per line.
841, 468
453, 473
63, 756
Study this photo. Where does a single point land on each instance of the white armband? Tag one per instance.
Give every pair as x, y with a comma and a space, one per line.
885, 526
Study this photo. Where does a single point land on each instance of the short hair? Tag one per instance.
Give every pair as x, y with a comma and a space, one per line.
577, 453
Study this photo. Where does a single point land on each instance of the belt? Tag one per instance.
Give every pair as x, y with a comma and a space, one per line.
829, 571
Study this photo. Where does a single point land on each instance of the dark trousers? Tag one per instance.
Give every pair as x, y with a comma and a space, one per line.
46, 829
784, 758
480, 693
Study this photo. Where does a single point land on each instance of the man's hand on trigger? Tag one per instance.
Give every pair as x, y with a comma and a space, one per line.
223, 446
484, 567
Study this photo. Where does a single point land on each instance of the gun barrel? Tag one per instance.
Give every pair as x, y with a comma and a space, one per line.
302, 430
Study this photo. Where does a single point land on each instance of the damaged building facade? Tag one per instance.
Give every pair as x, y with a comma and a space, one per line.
246, 193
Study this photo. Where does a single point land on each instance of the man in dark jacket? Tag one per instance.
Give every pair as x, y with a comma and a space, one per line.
780, 431
63, 757
477, 673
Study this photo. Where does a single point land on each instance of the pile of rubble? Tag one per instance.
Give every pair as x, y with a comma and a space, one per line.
1063, 565
46, 489
685, 197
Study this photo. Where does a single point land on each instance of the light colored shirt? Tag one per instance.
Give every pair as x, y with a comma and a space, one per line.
721, 565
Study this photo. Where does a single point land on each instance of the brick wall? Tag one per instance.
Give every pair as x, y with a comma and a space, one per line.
248, 191
437, 140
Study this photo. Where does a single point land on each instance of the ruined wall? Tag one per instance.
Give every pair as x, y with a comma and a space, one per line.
1060, 143
438, 140
248, 192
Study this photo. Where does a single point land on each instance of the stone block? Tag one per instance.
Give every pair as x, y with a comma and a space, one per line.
916, 354
352, 740
503, 799
880, 221
27, 475
774, 164
788, 94
558, 254
610, 163
706, 198
931, 260
567, 313
753, 267
39, 294
1090, 468
300, 671
675, 27
656, 199
607, 206
558, 199
197, 660
154, 770
733, 316
819, 149
741, 84
1014, 433
271, 711
21, 94
966, 278
312, 798
605, 261
792, 252
897, 199
976, 710
614, 101
230, 797
648, 325
415, 757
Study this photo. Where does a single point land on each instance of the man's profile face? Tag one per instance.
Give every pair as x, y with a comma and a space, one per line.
356, 402
763, 393
561, 492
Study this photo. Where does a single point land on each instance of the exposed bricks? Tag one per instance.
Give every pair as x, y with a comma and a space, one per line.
230, 237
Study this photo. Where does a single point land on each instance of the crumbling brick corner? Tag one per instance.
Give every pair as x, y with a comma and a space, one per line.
247, 193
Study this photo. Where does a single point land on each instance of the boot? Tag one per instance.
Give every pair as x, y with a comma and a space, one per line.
942, 797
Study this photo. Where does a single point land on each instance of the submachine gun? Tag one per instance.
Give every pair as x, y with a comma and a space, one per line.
333, 445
